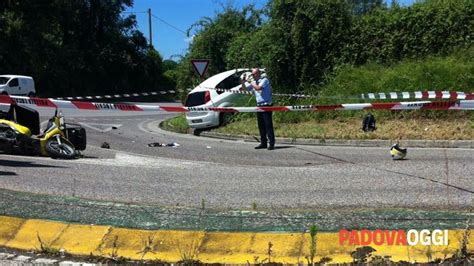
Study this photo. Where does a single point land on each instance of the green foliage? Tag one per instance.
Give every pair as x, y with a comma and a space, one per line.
307, 38
169, 65
212, 39
214, 36
433, 27
77, 47
250, 49
313, 230
304, 44
361, 7
46, 248
177, 124
453, 72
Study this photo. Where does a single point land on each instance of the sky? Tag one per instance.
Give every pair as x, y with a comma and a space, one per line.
172, 18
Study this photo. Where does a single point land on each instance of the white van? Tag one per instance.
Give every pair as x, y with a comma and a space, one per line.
17, 85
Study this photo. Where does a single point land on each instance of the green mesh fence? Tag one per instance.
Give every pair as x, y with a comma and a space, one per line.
69, 209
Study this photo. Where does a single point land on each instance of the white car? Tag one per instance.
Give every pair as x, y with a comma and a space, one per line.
205, 95
17, 85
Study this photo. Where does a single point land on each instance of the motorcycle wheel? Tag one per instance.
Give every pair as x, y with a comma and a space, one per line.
65, 150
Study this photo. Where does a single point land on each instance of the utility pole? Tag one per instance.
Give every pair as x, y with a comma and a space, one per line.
149, 25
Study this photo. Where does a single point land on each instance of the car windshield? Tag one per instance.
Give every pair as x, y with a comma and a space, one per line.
3, 80
195, 99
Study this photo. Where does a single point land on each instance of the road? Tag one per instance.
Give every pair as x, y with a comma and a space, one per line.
231, 174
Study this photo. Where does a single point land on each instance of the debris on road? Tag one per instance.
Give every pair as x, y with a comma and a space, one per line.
105, 145
157, 144
397, 153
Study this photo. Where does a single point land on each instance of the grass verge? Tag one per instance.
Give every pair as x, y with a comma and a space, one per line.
176, 124
348, 128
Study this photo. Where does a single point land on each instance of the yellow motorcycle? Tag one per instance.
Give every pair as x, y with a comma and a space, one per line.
19, 134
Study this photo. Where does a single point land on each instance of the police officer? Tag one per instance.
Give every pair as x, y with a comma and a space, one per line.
262, 90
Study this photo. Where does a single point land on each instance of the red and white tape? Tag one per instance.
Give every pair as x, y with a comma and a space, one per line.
422, 95
61, 104
125, 95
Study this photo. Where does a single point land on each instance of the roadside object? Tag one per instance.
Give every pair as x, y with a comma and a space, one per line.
76, 134
157, 144
368, 124
20, 133
208, 147
17, 85
105, 145
397, 152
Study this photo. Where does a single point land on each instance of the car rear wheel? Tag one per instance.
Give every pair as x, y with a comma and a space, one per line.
224, 118
31, 94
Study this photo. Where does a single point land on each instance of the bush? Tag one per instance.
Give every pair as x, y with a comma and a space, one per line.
430, 27
454, 72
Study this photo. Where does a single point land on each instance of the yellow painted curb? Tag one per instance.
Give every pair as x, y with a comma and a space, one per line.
82, 239
31, 231
208, 247
8, 228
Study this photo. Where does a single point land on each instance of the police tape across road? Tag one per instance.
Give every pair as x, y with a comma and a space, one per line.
424, 95
419, 95
61, 104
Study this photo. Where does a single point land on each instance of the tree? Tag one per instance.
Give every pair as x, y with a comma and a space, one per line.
77, 47
362, 7
307, 39
213, 38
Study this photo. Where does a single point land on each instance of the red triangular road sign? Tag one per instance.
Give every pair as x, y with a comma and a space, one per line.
200, 65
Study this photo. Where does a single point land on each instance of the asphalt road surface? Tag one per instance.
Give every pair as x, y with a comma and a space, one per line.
231, 174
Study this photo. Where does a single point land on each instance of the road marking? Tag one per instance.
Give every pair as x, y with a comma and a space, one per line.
101, 127
131, 160
163, 133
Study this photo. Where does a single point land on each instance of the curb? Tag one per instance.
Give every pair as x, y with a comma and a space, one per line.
463, 144
207, 247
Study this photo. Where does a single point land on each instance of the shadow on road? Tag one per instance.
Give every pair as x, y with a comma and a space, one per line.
10, 163
7, 173
283, 147
89, 157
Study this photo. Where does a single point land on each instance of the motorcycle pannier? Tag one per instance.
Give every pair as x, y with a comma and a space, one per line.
26, 117
77, 136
